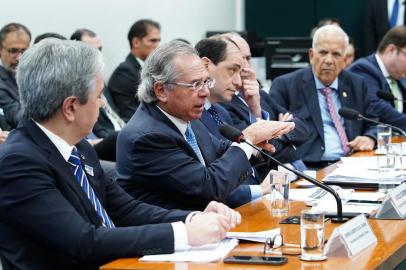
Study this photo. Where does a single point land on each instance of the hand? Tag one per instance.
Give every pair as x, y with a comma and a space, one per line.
215, 207
3, 136
266, 184
285, 117
250, 88
362, 143
262, 131
207, 228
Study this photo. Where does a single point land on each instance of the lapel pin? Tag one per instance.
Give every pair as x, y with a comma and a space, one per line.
344, 94
89, 170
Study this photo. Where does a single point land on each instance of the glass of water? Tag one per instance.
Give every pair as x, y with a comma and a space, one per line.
279, 193
312, 235
384, 135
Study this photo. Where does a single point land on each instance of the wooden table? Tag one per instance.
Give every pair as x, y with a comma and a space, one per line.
386, 254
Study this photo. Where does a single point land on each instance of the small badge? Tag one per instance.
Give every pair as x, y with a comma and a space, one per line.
89, 170
344, 94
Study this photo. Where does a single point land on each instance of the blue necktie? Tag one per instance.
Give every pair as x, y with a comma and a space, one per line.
80, 175
191, 139
394, 15
213, 113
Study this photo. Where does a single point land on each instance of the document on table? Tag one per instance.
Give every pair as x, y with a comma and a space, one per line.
205, 253
254, 236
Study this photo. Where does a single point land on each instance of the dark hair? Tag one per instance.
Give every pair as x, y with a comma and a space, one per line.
48, 35
78, 34
140, 29
213, 48
395, 36
12, 27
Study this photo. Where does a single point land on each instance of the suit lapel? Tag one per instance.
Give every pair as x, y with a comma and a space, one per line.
210, 124
244, 108
10, 82
345, 99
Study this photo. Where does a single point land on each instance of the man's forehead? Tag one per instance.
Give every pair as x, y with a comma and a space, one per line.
234, 55
191, 66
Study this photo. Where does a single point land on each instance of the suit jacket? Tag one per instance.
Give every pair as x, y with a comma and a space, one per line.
47, 221
123, 86
285, 150
376, 23
9, 98
368, 68
297, 93
155, 163
211, 125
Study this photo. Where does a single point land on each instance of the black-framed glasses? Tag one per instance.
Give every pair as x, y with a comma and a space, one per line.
15, 51
275, 245
196, 86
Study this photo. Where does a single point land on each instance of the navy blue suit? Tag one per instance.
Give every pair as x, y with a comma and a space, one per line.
9, 99
155, 163
297, 93
47, 221
368, 68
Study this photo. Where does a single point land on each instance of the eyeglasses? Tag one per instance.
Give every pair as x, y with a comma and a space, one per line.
196, 86
14, 51
275, 245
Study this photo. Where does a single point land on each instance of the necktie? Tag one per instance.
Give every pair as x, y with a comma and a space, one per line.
336, 120
213, 113
396, 93
191, 139
112, 115
394, 16
80, 175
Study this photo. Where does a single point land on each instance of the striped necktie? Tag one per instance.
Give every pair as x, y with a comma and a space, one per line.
336, 120
191, 139
80, 175
213, 113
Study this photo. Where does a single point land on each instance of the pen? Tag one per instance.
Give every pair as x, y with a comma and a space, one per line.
364, 201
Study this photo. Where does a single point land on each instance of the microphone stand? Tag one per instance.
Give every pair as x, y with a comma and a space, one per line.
361, 117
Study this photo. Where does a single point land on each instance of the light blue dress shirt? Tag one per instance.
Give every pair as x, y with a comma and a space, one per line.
333, 148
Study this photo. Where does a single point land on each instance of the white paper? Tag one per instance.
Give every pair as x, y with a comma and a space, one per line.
205, 253
254, 236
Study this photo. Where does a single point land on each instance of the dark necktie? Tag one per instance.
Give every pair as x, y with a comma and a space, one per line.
213, 113
80, 175
336, 120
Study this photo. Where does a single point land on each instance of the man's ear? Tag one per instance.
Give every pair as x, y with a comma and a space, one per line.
311, 53
206, 62
160, 92
135, 42
69, 107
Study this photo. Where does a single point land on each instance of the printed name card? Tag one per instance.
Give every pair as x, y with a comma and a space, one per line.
350, 238
394, 204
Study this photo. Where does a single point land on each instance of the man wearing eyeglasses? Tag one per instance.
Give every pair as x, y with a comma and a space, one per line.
15, 38
386, 70
168, 158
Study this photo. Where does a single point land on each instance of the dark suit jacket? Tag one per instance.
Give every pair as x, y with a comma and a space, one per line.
104, 127
285, 151
123, 86
155, 163
9, 98
211, 125
368, 68
376, 23
297, 93
47, 221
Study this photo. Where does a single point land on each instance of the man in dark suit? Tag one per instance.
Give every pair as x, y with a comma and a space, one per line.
57, 209
315, 94
386, 70
144, 36
165, 155
15, 38
382, 15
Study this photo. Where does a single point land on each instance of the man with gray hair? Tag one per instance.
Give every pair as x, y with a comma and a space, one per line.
58, 211
315, 94
165, 155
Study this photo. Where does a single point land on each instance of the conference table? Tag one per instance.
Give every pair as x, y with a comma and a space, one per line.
389, 251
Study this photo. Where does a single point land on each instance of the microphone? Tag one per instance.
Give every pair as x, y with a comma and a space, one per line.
235, 135
352, 114
388, 96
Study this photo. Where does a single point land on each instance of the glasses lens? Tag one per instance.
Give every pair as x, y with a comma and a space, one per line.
15, 50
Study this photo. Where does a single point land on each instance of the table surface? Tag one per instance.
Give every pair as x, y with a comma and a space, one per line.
386, 254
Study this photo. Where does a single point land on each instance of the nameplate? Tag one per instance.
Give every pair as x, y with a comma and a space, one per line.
350, 238
394, 204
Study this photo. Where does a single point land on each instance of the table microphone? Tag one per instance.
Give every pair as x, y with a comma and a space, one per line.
388, 96
236, 135
352, 114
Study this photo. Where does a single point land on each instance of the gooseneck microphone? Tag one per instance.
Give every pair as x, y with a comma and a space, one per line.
388, 96
352, 114
236, 135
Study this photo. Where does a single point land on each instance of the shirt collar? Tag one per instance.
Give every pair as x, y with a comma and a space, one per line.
179, 123
140, 61
207, 104
63, 147
320, 85
382, 66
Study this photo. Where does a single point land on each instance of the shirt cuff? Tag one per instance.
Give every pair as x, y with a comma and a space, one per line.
256, 191
248, 150
180, 236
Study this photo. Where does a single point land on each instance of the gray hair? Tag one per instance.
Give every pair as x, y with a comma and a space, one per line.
160, 67
53, 70
332, 30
